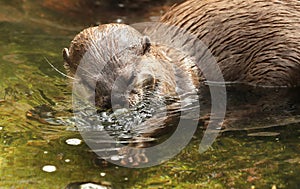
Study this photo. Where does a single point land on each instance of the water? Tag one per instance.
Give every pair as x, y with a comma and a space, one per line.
37, 152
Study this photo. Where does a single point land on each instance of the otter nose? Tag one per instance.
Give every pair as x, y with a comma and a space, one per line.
147, 81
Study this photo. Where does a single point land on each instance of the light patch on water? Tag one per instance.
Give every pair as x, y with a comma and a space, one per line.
116, 157
74, 141
49, 168
119, 20
92, 186
121, 5
264, 134
120, 112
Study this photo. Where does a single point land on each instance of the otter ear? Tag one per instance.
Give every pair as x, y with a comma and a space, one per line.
146, 43
66, 55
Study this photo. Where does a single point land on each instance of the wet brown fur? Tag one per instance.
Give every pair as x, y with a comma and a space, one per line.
254, 41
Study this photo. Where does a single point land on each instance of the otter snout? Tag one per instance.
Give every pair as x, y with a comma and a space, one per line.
146, 81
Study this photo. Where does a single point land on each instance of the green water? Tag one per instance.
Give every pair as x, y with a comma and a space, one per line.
30, 33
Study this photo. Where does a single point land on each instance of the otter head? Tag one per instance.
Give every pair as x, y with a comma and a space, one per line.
115, 63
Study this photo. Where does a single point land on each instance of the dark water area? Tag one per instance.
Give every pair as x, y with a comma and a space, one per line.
40, 147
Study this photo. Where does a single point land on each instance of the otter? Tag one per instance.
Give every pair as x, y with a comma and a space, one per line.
111, 59
254, 42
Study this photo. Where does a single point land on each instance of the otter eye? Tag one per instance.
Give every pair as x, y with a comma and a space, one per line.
146, 43
134, 91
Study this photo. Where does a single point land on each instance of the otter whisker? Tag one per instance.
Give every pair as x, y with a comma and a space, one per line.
60, 72
88, 74
97, 52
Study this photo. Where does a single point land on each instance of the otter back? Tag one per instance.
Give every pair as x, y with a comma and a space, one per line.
254, 41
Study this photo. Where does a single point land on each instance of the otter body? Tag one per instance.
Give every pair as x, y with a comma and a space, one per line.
255, 42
